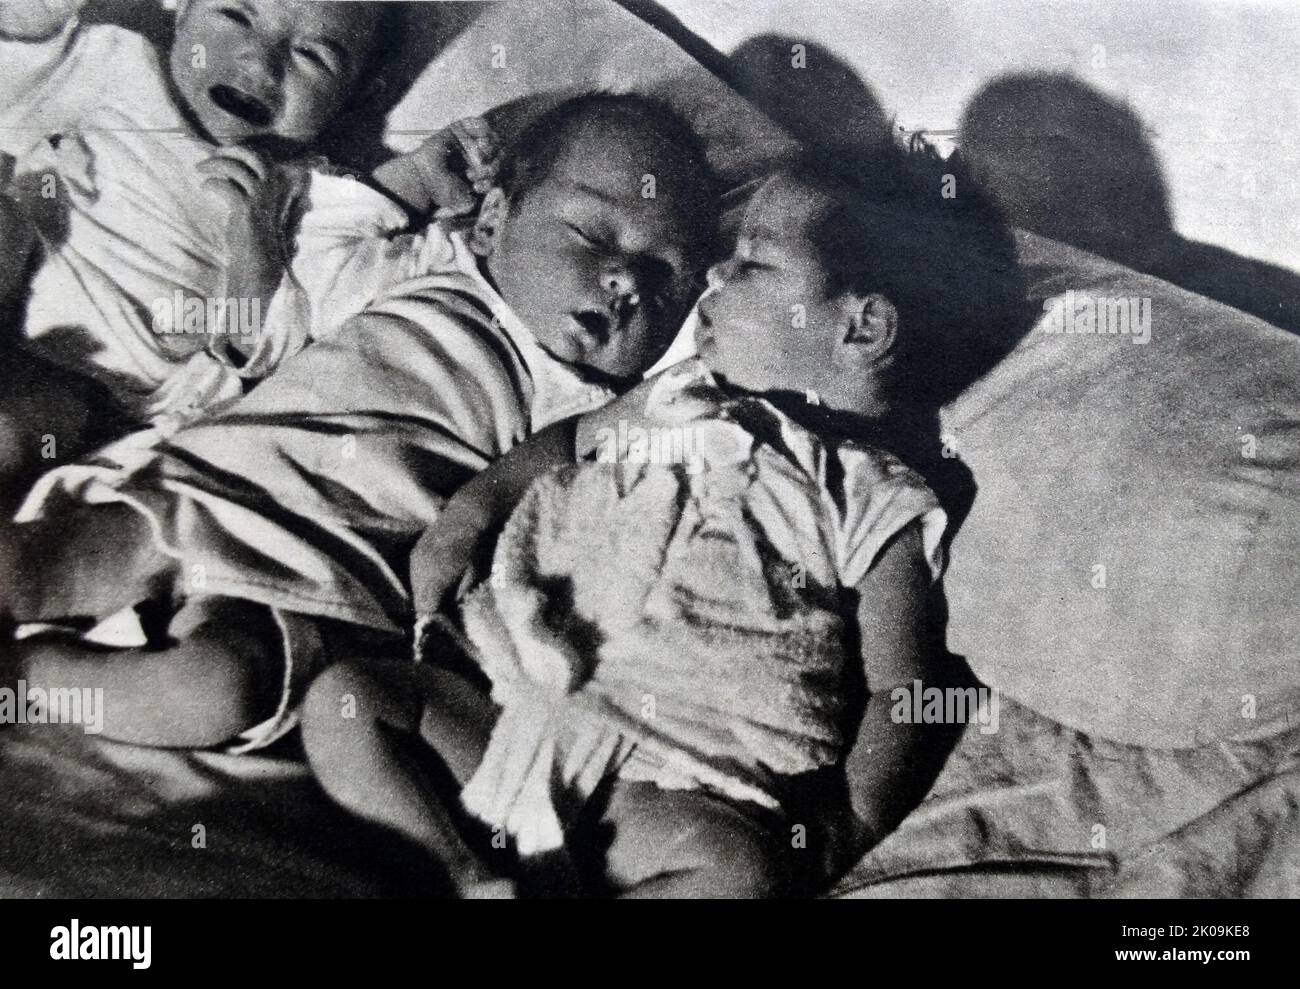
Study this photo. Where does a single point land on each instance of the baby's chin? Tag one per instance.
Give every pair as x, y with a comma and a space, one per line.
226, 132
560, 345
725, 374
220, 127
595, 368
602, 373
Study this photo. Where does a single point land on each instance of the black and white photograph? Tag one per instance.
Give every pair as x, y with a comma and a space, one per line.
711, 449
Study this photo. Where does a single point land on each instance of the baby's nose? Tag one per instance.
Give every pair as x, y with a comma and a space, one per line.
717, 275
621, 283
264, 64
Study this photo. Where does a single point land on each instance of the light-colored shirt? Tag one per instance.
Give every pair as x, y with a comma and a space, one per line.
305, 494
106, 166
700, 639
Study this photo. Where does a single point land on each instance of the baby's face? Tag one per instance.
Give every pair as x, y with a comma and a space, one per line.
281, 68
602, 274
769, 321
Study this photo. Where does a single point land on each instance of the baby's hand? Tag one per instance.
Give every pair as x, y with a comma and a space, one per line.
447, 172
258, 194
471, 144
447, 559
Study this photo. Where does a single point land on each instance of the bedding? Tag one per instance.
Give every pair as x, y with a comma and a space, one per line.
1123, 764
1129, 565
1019, 812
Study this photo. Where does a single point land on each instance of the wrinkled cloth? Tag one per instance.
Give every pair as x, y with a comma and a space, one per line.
1013, 813
1146, 498
690, 610
106, 167
304, 494
307, 494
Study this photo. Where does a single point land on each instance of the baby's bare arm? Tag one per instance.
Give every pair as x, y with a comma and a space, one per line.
475, 513
471, 517
892, 765
446, 172
258, 193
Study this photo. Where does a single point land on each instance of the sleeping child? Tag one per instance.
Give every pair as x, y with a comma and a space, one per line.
252, 545
679, 633
110, 151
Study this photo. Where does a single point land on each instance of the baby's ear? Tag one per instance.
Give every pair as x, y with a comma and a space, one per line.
489, 223
872, 324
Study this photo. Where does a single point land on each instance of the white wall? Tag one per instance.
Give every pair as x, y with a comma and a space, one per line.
1216, 82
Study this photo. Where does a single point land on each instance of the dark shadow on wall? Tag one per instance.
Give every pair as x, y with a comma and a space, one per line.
1055, 155
1066, 161
815, 95
413, 33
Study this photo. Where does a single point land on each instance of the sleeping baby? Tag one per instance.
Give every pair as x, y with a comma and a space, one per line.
111, 149
680, 644
252, 547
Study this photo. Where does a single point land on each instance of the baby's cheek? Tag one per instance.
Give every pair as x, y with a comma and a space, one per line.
202, 45
543, 286
307, 110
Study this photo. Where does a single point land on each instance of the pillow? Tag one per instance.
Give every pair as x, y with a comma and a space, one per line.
519, 50
1131, 564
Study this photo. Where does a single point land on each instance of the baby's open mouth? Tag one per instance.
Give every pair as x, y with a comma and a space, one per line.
247, 108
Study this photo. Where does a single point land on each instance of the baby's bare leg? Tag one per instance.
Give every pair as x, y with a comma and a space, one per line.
94, 561
688, 844
222, 679
368, 727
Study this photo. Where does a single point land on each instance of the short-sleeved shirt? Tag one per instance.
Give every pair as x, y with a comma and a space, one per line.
701, 617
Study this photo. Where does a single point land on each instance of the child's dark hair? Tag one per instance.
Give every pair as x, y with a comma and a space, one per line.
389, 28
950, 270
528, 158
